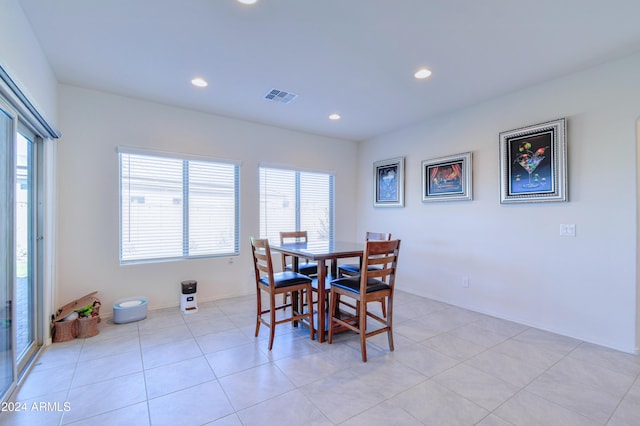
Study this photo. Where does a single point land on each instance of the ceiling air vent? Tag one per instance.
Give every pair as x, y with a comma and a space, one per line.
280, 96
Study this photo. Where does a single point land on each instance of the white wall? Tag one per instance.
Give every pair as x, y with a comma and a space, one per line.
95, 123
22, 57
518, 266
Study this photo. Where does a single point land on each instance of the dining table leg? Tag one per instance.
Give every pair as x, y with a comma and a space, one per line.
322, 309
295, 305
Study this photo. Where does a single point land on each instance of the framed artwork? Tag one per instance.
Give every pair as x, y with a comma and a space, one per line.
447, 178
388, 183
533, 163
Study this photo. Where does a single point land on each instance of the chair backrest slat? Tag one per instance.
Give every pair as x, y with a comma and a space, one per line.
380, 259
296, 236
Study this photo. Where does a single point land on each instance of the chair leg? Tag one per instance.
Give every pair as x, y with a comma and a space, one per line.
272, 318
301, 301
389, 324
333, 297
312, 330
259, 309
384, 308
362, 325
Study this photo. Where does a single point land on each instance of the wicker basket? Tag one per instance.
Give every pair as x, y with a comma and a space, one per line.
96, 308
81, 327
65, 330
88, 326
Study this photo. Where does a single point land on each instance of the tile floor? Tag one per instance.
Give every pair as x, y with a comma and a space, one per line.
450, 367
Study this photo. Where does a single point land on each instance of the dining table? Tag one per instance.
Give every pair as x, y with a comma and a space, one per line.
321, 251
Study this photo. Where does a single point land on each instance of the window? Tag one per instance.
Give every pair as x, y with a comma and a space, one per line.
177, 208
292, 200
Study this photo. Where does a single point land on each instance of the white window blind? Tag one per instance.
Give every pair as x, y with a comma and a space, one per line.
292, 200
175, 208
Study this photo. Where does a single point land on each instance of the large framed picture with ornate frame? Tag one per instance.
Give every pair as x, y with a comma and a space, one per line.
447, 178
533, 163
388, 183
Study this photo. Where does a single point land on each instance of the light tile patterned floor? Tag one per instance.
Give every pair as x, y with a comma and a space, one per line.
450, 367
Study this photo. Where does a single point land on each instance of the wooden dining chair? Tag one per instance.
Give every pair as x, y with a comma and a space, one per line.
274, 283
373, 285
305, 267
353, 269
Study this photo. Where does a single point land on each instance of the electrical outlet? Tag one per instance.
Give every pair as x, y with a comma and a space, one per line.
567, 230
465, 282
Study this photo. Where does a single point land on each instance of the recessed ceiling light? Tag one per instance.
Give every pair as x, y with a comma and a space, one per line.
248, 1
199, 82
334, 116
422, 73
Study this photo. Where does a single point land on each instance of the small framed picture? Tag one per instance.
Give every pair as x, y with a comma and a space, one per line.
388, 183
447, 178
533, 163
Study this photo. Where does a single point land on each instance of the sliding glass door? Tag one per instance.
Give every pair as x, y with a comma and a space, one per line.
26, 302
20, 306
7, 138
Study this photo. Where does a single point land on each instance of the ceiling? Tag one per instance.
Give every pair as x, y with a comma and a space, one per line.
351, 57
